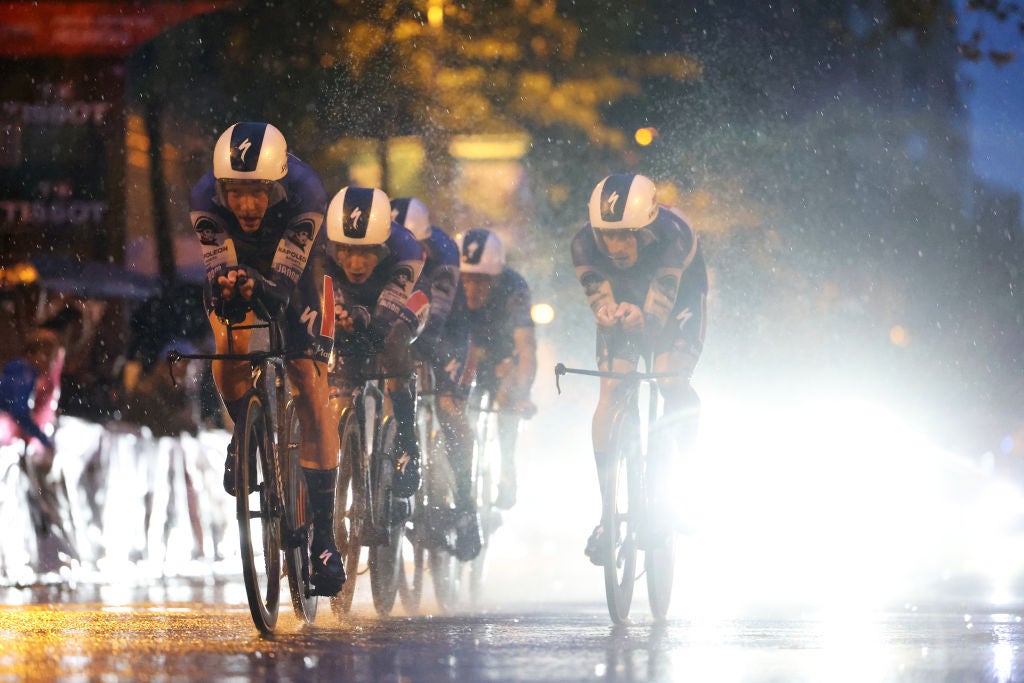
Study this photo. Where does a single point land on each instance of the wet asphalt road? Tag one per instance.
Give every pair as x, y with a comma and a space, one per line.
204, 633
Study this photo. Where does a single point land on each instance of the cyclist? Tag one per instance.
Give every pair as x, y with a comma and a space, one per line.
644, 277
504, 347
253, 203
444, 345
374, 265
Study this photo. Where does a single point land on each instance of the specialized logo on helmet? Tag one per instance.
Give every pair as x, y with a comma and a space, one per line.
244, 147
246, 138
615, 188
358, 203
399, 208
473, 246
611, 202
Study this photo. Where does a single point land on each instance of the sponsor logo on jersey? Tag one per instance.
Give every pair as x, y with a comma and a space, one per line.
683, 316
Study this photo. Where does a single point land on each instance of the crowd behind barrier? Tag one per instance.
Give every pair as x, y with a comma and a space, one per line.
118, 504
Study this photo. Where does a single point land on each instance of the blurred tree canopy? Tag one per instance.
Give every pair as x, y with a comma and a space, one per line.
820, 146
328, 69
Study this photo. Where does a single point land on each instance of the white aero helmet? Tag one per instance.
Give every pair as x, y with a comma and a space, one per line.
480, 251
359, 215
413, 214
251, 151
623, 201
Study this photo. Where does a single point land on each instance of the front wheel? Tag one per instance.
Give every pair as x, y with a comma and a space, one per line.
350, 506
446, 572
258, 514
298, 518
389, 515
620, 516
660, 565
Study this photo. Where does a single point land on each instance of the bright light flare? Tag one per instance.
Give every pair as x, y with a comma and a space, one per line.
542, 314
835, 503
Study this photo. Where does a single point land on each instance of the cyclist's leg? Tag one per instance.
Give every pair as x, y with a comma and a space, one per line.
451, 387
504, 380
397, 358
309, 349
616, 356
677, 351
233, 380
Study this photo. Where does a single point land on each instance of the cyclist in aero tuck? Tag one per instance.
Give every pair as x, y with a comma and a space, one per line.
444, 345
643, 274
375, 264
502, 341
258, 216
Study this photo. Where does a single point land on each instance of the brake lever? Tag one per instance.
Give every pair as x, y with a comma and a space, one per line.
559, 371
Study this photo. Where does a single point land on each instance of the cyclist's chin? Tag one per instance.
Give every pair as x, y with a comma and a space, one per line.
250, 224
358, 278
622, 263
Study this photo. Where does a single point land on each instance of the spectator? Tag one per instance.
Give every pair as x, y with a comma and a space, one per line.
29, 390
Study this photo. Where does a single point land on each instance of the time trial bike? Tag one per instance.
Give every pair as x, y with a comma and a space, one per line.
431, 534
367, 513
627, 496
271, 503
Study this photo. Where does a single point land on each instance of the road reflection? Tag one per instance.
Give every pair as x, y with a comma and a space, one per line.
58, 637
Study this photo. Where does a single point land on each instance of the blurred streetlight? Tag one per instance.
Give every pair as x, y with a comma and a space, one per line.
542, 314
645, 136
435, 13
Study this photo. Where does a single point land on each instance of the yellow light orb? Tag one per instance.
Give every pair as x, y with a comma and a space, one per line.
435, 16
645, 136
542, 314
898, 336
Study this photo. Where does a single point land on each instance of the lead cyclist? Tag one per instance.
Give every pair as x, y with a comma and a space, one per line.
258, 216
644, 277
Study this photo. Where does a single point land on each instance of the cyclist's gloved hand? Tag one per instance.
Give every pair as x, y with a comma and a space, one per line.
233, 310
351, 319
606, 317
228, 282
630, 316
266, 292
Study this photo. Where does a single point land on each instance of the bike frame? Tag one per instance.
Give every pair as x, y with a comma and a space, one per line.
269, 389
370, 514
658, 563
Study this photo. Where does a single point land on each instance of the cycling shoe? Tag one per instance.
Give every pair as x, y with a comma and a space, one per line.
407, 477
594, 549
327, 568
229, 472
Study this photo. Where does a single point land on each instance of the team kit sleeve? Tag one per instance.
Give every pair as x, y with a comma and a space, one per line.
519, 302
596, 286
217, 248
309, 199
676, 244
408, 259
444, 282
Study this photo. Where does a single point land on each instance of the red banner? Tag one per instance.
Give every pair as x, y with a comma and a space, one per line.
74, 29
